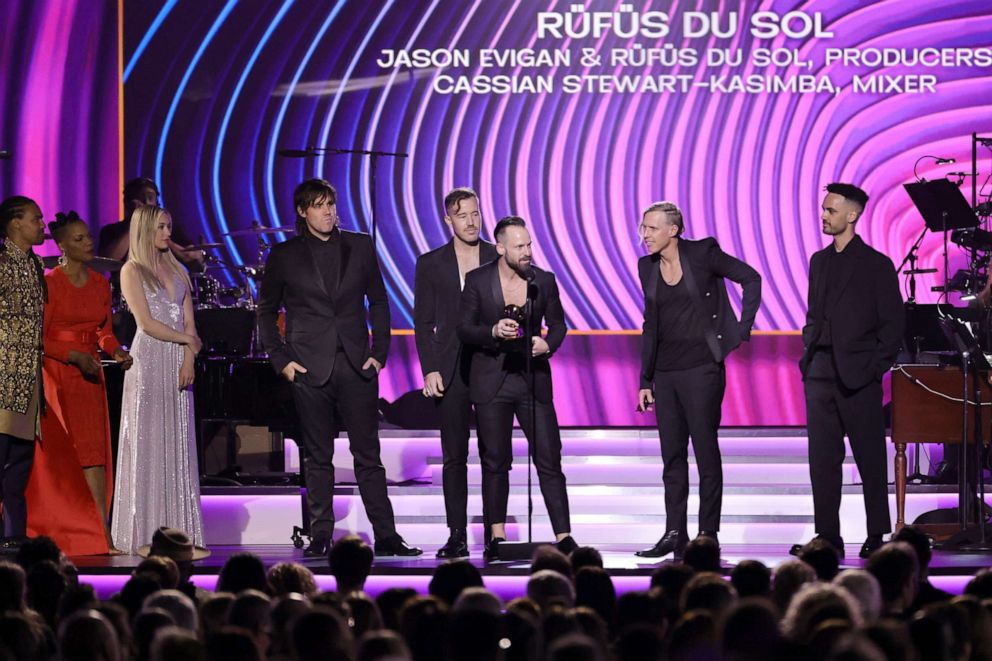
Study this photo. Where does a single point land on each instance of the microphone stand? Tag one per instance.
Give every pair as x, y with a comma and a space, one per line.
525, 550
917, 477
529, 369
912, 258
373, 155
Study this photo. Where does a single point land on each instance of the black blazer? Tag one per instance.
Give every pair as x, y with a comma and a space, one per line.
704, 267
316, 318
437, 290
868, 335
482, 307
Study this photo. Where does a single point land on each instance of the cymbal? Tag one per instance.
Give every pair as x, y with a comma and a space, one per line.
104, 264
100, 264
205, 246
255, 230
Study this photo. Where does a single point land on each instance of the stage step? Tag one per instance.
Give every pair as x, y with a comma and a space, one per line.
630, 457
614, 486
637, 471
633, 515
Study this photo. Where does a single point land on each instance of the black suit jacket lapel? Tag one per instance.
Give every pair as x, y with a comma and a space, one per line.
452, 284
693, 288
690, 278
820, 288
343, 262
651, 292
497, 291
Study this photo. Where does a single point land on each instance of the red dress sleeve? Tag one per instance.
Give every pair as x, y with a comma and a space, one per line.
105, 334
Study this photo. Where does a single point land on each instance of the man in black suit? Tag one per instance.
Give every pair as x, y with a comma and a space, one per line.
853, 331
689, 330
498, 383
438, 283
322, 277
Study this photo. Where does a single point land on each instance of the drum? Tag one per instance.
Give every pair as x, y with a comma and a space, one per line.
231, 297
206, 292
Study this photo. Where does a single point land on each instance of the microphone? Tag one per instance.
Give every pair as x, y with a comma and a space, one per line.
942, 161
5, 154
296, 153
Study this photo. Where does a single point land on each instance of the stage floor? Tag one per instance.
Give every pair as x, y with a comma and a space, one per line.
618, 559
949, 571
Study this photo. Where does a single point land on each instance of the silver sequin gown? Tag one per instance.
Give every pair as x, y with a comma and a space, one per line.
157, 475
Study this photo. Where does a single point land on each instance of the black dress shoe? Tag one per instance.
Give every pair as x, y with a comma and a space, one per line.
396, 546
872, 544
492, 549
838, 545
319, 546
671, 542
456, 546
567, 545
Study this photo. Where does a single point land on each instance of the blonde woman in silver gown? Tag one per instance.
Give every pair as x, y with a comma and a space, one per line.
157, 474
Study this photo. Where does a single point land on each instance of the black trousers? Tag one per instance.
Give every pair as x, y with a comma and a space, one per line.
16, 459
831, 412
455, 410
688, 404
356, 399
495, 439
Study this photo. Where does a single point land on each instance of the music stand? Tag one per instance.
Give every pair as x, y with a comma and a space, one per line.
942, 205
943, 208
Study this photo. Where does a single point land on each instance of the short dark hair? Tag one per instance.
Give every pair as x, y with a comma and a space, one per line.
60, 225
13, 207
702, 554
505, 222
823, 557
350, 560
310, 191
453, 200
451, 578
133, 188
13, 580
849, 192
919, 540
894, 565
751, 578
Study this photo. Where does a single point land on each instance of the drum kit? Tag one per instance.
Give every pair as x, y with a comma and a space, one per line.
208, 291
224, 314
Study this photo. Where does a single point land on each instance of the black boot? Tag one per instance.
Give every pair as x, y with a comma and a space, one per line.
456, 546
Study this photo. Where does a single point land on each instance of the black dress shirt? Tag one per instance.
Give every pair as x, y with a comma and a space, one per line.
839, 267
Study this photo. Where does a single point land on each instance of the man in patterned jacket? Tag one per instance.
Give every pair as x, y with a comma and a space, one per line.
22, 301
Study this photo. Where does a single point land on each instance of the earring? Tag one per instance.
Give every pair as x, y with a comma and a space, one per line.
62, 260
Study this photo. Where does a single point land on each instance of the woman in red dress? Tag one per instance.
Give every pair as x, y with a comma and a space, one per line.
70, 488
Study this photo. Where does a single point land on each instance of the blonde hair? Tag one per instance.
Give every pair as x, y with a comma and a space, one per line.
142, 250
671, 211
